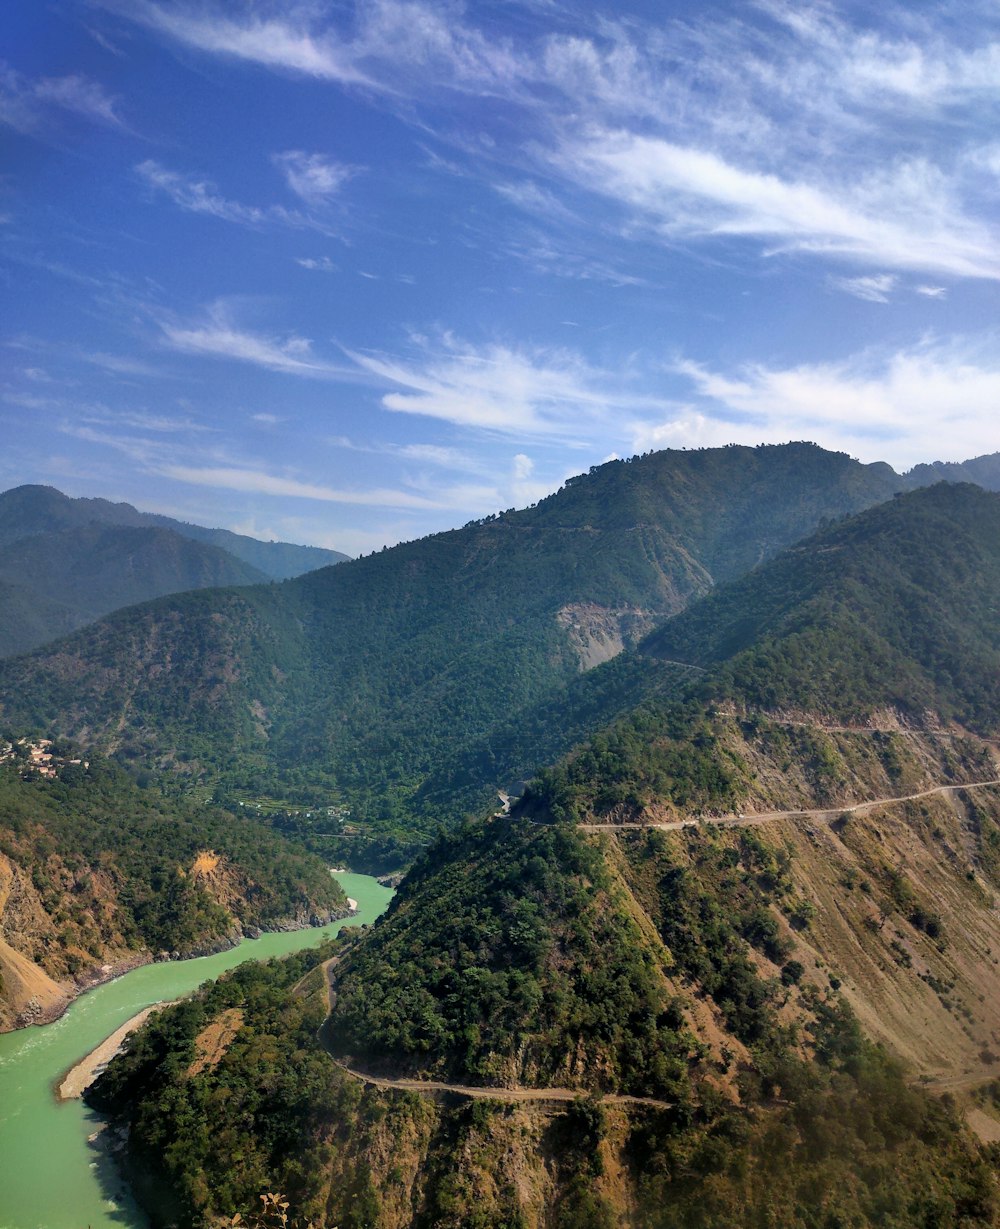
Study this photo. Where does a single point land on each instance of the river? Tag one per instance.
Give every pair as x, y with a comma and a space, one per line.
51, 1176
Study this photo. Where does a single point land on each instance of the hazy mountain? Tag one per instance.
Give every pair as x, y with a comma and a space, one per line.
65, 562
983, 471
28, 510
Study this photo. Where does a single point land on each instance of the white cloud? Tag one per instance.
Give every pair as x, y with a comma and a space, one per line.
321, 264
858, 141
498, 388
202, 196
257, 482
874, 289
24, 102
313, 177
903, 219
80, 94
931, 292
218, 336
937, 400
282, 42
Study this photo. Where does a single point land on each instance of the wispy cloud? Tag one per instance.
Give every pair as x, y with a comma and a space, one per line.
80, 94
258, 482
313, 177
219, 336
24, 102
283, 41
904, 219
196, 195
498, 388
319, 264
785, 128
934, 400
874, 289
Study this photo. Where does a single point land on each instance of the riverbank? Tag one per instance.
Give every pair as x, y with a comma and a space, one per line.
50, 1000
86, 1071
51, 1172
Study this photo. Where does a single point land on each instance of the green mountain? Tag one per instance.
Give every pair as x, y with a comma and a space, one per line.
97, 870
896, 608
724, 999
29, 510
57, 582
65, 562
354, 684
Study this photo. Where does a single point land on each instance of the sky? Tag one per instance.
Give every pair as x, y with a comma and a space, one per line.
350, 273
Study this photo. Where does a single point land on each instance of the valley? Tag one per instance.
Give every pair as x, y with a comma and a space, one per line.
726, 954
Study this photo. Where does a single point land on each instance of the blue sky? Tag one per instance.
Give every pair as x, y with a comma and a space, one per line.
350, 273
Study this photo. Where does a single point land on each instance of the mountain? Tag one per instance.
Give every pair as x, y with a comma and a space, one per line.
98, 871
354, 683
895, 608
60, 581
29, 510
731, 961
983, 471
65, 562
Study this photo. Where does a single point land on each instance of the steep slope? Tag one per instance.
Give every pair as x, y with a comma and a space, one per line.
896, 608
29, 510
663, 966
96, 873
63, 580
351, 683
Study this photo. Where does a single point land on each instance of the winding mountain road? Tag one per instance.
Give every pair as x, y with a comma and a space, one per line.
475, 1092
770, 817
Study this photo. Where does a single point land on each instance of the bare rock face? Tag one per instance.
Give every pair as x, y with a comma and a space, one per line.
598, 633
28, 995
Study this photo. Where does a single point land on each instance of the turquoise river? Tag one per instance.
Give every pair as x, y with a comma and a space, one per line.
51, 1175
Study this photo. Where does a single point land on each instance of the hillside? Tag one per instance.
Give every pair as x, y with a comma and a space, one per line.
896, 608
665, 967
350, 684
751, 924
97, 872
65, 562
29, 510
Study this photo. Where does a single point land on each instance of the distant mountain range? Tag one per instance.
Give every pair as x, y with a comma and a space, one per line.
65, 562
369, 681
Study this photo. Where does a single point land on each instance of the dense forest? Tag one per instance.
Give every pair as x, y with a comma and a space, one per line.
522, 952
104, 866
378, 684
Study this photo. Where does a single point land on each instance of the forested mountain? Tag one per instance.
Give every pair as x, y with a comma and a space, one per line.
983, 471
65, 562
57, 582
96, 870
898, 607
355, 681
724, 997
29, 510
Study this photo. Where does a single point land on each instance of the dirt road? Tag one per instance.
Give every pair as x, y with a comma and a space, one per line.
769, 817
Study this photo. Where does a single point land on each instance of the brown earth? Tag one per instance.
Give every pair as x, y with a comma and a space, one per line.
215, 1039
